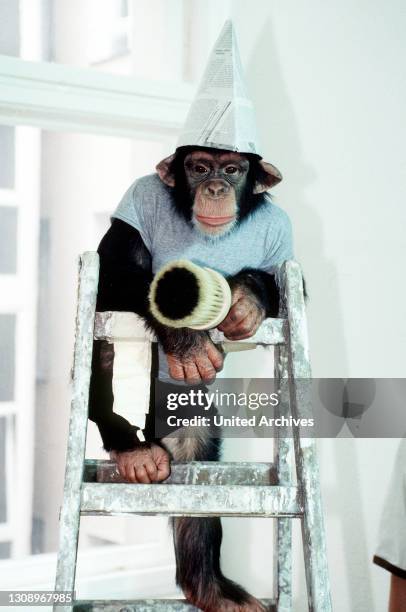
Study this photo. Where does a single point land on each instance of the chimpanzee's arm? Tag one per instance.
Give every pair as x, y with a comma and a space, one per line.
125, 270
124, 280
255, 295
262, 285
116, 432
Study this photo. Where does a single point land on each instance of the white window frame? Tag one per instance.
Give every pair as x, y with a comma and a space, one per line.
59, 97
104, 570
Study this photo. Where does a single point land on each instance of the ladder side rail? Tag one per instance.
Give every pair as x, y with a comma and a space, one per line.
283, 462
76, 448
306, 460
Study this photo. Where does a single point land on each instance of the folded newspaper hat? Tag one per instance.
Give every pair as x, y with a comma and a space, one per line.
222, 115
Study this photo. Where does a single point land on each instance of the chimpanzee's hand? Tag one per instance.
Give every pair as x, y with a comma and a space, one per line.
144, 464
197, 364
244, 317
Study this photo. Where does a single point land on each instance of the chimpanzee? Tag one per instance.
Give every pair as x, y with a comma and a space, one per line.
207, 205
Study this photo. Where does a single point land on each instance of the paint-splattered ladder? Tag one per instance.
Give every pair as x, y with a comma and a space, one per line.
231, 489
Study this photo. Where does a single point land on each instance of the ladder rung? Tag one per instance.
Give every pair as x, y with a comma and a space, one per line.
190, 500
127, 325
195, 472
146, 605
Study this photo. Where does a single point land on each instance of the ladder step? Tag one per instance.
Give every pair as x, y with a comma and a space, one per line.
196, 472
146, 605
113, 326
190, 500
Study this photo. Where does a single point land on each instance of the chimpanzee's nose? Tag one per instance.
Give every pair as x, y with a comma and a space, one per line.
216, 189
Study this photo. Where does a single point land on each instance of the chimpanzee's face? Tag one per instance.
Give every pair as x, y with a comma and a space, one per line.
216, 180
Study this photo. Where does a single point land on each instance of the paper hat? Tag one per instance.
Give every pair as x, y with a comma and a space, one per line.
222, 115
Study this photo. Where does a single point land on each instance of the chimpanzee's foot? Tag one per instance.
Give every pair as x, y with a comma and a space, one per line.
145, 464
223, 604
252, 605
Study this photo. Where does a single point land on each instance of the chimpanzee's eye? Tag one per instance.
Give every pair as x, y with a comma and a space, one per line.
231, 169
200, 169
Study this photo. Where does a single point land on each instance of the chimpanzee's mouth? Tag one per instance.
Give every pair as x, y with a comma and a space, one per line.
216, 221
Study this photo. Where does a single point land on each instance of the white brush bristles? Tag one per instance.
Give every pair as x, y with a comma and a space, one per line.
213, 303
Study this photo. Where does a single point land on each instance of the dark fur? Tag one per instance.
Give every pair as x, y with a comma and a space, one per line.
262, 285
125, 277
125, 270
116, 432
197, 544
197, 548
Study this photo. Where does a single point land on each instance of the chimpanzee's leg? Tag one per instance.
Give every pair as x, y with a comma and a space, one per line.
198, 540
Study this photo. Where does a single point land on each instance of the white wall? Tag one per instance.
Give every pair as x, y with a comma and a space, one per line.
328, 84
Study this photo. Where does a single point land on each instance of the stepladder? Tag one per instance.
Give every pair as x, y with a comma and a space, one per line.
244, 489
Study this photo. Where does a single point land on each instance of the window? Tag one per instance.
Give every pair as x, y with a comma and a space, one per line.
122, 36
7, 356
10, 36
8, 240
7, 148
110, 34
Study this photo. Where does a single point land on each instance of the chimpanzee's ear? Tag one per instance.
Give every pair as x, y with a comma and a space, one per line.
268, 178
164, 173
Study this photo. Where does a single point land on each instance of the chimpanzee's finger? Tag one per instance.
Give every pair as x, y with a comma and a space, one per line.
175, 369
192, 375
216, 358
236, 314
206, 370
163, 466
142, 476
243, 329
129, 472
252, 332
122, 471
151, 470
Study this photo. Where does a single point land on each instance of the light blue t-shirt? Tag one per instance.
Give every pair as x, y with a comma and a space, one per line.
263, 240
